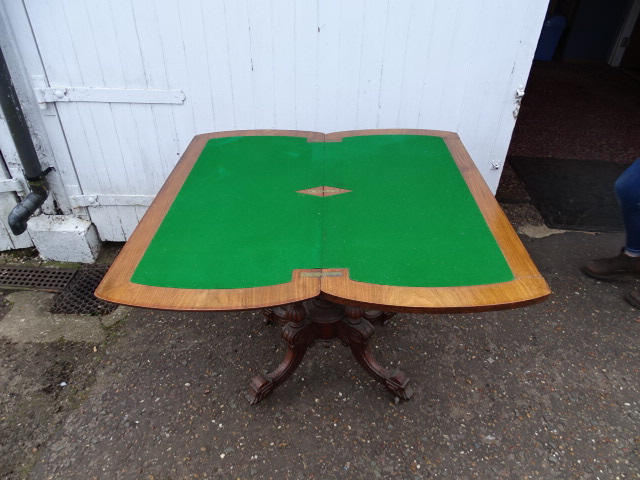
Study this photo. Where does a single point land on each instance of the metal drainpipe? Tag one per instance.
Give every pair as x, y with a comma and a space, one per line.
26, 151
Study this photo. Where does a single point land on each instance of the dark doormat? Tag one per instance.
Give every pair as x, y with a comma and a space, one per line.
572, 194
77, 297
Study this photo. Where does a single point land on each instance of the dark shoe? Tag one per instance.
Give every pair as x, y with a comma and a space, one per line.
613, 268
633, 298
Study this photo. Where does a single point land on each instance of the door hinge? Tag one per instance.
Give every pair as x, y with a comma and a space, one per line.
519, 95
45, 95
78, 201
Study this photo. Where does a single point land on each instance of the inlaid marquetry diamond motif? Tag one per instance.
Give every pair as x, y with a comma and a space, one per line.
323, 191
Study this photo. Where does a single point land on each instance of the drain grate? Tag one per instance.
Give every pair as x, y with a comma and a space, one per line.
78, 297
38, 278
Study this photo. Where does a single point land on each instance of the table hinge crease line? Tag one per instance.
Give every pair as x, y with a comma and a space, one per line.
321, 274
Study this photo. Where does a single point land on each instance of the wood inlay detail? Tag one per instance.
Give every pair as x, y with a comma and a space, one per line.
323, 191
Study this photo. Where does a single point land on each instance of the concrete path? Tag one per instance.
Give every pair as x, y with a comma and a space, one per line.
29, 320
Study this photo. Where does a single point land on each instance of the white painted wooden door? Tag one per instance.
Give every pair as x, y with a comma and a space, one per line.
288, 64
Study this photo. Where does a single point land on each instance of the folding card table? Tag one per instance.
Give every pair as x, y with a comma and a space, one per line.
325, 234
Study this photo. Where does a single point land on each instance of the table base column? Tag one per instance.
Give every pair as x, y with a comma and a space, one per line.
307, 322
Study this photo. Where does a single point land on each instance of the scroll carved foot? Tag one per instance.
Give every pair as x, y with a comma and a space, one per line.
355, 332
299, 335
322, 320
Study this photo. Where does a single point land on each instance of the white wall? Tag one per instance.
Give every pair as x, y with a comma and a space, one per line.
242, 64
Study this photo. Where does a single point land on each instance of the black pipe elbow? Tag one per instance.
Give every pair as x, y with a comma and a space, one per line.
17, 123
21, 212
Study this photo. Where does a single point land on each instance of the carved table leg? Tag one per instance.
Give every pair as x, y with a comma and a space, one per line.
323, 320
299, 335
355, 332
275, 315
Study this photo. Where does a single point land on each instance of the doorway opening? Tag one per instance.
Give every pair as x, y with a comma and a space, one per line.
579, 123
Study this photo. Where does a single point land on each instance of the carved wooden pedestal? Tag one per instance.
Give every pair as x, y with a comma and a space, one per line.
304, 323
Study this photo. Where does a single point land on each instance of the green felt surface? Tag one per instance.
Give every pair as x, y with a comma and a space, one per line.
410, 219
238, 222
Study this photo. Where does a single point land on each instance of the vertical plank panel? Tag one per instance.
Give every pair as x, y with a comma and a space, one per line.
161, 123
436, 76
306, 54
56, 45
488, 95
284, 67
169, 28
327, 74
51, 32
418, 59
238, 35
91, 31
348, 64
395, 48
528, 31
196, 76
134, 122
262, 66
218, 64
94, 37
374, 18
464, 30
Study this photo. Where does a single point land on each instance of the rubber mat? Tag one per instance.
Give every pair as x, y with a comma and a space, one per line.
78, 298
572, 194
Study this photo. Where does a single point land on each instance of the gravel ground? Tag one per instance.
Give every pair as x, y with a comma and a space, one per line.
543, 392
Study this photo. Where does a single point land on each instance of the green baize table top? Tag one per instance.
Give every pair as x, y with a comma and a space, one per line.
240, 220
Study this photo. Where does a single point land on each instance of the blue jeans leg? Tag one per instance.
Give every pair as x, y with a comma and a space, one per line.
628, 191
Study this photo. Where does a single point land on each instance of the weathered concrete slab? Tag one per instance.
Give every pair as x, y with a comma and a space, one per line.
29, 320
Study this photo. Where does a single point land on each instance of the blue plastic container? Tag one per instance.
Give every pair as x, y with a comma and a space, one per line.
549, 37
